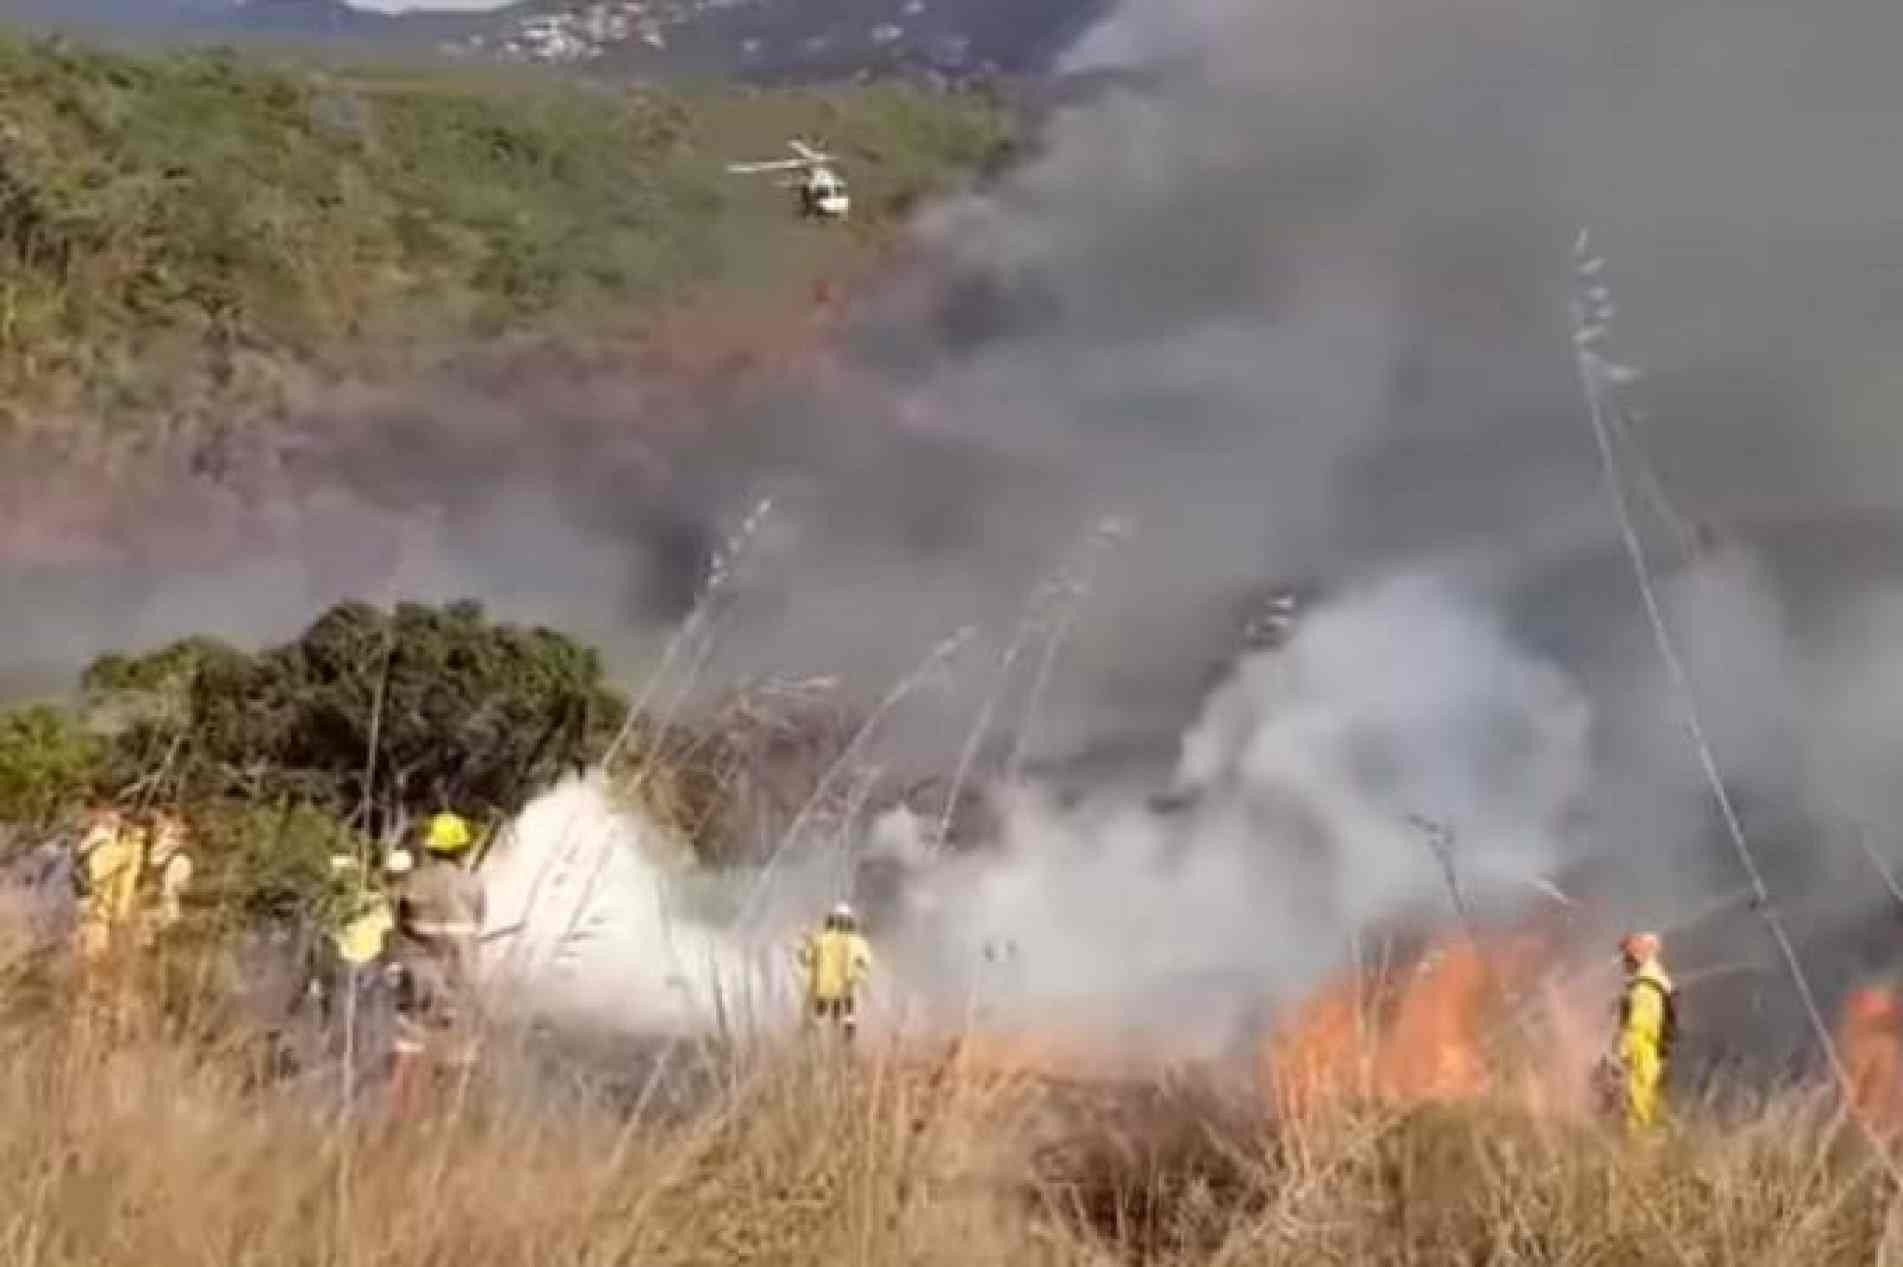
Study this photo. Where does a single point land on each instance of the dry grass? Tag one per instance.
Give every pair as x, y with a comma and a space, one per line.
166, 1146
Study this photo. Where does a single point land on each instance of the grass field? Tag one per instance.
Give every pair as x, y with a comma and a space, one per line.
159, 1143
174, 227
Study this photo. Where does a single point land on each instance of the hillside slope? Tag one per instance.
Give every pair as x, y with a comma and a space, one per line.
178, 230
765, 40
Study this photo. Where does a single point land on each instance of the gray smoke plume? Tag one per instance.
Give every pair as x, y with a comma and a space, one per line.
1304, 775
1296, 306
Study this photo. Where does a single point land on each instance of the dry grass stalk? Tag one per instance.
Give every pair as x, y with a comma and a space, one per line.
167, 1144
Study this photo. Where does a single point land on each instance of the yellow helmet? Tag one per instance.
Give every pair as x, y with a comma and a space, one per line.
448, 833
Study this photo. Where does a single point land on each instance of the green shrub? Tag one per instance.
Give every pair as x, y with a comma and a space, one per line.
48, 764
269, 862
458, 710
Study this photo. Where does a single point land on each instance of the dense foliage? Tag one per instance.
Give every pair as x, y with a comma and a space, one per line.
47, 761
391, 714
368, 721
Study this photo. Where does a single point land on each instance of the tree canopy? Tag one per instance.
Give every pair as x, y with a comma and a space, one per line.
392, 713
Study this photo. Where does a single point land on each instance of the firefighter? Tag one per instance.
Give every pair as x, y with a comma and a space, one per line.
1871, 1039
440, 909
361, 919
111, 856
108, 861
1648, 1028
366, 918
837, 962
170, 866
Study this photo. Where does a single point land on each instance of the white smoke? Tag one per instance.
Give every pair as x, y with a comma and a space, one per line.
1400, 700
1305, 769
599, 920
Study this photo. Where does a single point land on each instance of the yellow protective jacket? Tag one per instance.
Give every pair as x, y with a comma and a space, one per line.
112, 859
837, 963
1645, 1024
366, 925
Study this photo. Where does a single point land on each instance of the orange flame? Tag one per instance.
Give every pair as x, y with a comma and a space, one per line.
1323, 1056
1429, 1033
1435, 1049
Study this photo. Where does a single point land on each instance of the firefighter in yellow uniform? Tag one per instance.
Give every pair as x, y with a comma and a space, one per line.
439, 917
367, 920
837, 962
361, 921
111, 859
1648, 1025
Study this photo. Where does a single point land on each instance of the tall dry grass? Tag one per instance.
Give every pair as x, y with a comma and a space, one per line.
166, 1140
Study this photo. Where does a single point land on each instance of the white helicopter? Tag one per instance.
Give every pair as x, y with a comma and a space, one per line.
822, 191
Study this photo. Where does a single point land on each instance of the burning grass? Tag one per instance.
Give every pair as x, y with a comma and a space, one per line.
167, 1145
1464, 1019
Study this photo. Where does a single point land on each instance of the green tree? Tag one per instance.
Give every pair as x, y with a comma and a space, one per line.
47, 762
459, 710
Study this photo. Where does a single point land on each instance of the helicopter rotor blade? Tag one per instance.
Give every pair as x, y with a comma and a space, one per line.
779, 165
809, 153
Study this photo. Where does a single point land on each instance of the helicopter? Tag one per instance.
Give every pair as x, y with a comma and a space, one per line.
822, 190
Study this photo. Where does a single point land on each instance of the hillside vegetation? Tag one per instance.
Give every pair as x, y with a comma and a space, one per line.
173, 226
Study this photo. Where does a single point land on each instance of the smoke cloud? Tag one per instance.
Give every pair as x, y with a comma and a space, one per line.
1296, 306
1305, 770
